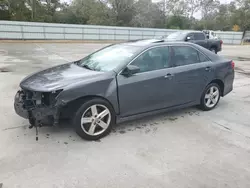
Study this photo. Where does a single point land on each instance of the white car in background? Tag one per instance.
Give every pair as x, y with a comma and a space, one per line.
210, 34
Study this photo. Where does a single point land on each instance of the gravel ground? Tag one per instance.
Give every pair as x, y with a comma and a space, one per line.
180, 149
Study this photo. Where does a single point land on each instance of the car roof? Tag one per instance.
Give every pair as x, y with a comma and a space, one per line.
148, 43
154, 42
144, 42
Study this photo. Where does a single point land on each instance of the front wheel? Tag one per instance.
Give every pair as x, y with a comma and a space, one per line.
94, 119
210, 97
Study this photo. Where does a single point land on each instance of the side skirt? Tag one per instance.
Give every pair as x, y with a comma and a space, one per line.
120, 119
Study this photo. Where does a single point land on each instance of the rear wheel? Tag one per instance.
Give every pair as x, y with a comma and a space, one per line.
94, 119
210, 97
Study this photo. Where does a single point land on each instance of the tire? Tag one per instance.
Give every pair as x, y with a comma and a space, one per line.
94, 119
207, 96
213, 49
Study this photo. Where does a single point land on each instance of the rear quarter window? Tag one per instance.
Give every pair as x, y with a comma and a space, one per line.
203, 58
210, 55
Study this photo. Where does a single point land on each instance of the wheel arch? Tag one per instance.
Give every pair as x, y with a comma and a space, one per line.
220, 83
72, 106
213, 46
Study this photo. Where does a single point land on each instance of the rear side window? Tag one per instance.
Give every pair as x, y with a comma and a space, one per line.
184, 55
199, 36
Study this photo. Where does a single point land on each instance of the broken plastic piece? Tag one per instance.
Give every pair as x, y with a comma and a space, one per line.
36, 135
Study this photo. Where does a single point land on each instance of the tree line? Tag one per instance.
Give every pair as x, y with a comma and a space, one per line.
170, 14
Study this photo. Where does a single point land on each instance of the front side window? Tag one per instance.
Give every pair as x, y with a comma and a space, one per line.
109, 58
153, 59
191, 36
184, 55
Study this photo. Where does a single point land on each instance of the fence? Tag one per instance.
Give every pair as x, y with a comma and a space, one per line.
48, 31
247, 37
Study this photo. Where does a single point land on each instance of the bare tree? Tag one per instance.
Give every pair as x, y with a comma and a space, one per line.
208, 7
193, 6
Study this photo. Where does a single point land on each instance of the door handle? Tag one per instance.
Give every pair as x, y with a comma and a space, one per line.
208, 69
168, 76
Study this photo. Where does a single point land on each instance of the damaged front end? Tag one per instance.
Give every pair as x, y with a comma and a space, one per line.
39, 107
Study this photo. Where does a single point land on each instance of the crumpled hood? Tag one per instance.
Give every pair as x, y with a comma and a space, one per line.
57, 77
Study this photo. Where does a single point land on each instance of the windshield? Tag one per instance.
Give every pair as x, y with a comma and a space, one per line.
176, 35
109, 58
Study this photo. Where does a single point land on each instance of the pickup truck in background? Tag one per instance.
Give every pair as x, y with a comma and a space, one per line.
197, 37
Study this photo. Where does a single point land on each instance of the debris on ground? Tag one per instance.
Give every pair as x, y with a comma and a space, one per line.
5, 69
172, 118
122, 132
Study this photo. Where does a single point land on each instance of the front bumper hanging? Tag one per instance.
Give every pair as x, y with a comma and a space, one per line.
28, 106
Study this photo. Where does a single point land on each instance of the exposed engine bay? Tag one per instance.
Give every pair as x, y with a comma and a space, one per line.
38, 107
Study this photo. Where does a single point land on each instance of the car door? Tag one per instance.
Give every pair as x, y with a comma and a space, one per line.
192, 72
150, 89
200, 39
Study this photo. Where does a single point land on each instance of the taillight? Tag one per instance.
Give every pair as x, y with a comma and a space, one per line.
221, 42
232, 64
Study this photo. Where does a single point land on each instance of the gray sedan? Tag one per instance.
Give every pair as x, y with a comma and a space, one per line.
122, 82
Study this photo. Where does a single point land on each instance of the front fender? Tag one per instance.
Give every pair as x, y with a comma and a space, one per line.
106, 88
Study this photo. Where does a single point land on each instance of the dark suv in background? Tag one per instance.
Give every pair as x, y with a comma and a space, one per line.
197, 37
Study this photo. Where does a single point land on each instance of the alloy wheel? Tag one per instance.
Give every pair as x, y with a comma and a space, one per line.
95, 120
212, 96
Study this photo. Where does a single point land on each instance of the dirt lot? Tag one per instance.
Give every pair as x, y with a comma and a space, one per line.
185, 148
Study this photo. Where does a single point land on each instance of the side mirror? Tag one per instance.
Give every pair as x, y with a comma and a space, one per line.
188, 38
130, 70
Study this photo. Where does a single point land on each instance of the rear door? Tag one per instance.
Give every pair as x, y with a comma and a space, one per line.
150, 89
192, 72
200, 39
